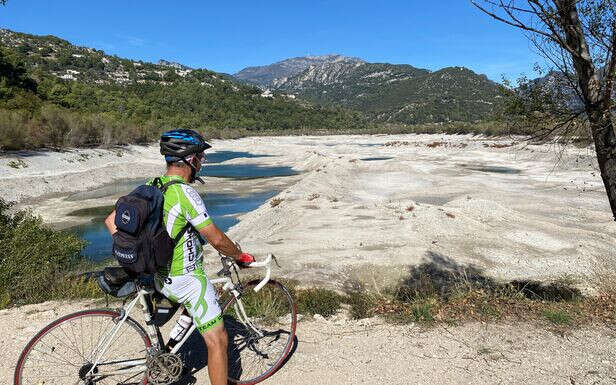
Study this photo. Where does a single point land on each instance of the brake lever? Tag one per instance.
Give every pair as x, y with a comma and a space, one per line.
224, 272
226, 266
275, 260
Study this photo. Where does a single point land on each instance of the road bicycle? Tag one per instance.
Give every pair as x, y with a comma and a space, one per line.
108, 346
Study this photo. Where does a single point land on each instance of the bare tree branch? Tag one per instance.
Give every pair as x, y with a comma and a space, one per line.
549, 19
562, 67
514, 24
512, 7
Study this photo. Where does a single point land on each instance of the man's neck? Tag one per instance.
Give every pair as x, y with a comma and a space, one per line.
182, 172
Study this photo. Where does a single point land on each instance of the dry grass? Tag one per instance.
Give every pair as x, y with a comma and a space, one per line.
441, 291
313, 196
276, 201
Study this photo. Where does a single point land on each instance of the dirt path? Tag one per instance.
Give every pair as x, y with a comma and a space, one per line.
341, 351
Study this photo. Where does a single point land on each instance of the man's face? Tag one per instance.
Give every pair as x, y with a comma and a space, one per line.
199, 160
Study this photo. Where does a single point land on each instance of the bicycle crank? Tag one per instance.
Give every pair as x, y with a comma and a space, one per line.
164, 368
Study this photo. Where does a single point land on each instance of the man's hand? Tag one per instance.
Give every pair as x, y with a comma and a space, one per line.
244, 260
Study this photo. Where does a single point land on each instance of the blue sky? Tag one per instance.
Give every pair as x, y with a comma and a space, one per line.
227, 36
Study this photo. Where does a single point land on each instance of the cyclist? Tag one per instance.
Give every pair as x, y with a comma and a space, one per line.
184, 280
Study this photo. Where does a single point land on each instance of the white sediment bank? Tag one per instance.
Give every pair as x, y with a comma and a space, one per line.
513, 211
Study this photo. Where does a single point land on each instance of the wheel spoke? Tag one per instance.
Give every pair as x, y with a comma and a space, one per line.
255, 356
57, 355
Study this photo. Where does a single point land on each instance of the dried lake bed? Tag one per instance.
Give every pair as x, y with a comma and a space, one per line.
370, 207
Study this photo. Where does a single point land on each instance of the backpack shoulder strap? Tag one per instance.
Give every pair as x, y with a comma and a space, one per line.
186, 227
163, 187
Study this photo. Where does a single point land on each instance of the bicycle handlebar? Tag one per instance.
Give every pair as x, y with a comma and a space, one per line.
268, 270
266, 263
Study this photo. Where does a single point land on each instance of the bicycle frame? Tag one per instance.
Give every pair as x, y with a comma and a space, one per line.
139, 365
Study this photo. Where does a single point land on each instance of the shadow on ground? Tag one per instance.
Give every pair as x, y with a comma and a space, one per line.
194, 352
443, 277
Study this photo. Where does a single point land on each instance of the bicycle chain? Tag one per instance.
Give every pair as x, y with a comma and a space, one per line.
164, 368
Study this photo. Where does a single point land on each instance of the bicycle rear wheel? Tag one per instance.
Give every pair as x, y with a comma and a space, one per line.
259, 344
62, 353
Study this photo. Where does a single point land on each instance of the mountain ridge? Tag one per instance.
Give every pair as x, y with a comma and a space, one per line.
396, 93
265, 76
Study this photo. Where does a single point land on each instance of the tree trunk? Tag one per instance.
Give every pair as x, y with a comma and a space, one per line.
602, 130
598, 112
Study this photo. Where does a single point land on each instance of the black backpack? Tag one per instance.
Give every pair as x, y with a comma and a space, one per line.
142, 244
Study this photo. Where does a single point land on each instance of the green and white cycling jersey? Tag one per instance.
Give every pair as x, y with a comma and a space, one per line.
183, 205
183, 280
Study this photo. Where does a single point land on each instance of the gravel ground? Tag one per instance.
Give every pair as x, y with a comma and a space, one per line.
338, 350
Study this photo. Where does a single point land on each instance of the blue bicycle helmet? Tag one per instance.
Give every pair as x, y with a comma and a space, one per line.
176, 145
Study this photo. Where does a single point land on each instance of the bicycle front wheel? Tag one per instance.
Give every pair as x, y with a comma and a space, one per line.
64, 351
261, 328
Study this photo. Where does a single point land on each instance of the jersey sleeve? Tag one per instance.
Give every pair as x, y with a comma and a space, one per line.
195, 211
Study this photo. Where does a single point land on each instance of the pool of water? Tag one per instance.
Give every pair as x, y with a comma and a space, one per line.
494, 169
223, 208
118, 188
222, 156
246, 171
376, 158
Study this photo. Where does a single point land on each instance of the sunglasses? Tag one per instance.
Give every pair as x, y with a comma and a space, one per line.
200, 157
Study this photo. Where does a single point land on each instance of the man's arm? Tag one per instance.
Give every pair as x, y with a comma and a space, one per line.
110, 223
220, 241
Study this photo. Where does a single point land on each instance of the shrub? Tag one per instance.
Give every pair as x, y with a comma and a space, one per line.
558, 317
318, 301
362, 304
35, 258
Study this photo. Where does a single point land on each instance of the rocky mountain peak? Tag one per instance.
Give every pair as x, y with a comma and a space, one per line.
269, 75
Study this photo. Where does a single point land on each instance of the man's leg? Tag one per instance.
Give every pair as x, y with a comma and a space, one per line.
216, 341
199, 298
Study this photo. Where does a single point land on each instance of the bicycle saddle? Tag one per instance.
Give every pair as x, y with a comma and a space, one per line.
116, 275
116, 282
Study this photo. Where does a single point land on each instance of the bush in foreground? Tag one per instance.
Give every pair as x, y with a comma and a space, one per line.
35, 260
318, 301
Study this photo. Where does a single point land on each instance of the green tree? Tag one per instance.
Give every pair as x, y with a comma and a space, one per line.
13, 75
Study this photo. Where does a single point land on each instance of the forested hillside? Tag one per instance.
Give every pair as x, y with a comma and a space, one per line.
54, 94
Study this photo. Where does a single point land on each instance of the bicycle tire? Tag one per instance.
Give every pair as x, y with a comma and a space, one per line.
53, 345
274, 312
